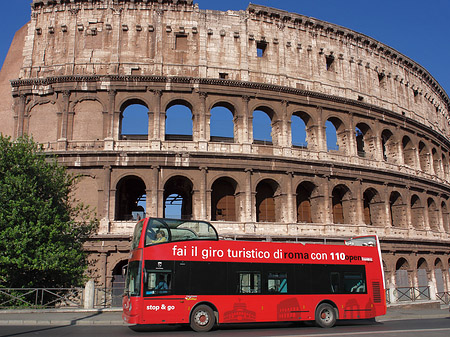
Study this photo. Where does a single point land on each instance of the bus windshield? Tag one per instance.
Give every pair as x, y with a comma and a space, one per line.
171, 230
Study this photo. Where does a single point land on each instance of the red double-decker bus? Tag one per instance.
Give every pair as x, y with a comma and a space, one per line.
180, 272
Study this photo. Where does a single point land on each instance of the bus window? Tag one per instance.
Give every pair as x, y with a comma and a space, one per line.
133, 280
277, 283
354, 283
249, 283
156, 233
334, 283
157, 282
137, 234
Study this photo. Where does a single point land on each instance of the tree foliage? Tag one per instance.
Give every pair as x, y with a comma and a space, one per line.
42, 228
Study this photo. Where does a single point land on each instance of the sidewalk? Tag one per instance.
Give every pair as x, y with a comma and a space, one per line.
114, 316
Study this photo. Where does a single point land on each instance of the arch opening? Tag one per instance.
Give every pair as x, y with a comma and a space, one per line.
130, 199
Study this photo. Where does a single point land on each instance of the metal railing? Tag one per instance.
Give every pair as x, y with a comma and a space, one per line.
41, 297
444, 297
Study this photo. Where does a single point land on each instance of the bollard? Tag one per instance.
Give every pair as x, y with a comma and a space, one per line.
89, 294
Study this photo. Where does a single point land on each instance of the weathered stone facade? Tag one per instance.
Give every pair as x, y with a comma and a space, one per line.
84, 62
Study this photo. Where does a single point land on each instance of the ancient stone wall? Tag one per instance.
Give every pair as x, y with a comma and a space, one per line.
86, 62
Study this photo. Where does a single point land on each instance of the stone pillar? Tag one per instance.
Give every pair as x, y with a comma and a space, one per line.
203, 193
291, 202
152, 204
321, 136
351, 146
107, 196
247, 127
359, 203
21, 115
62, 142
327, 202
432, 284
392, 288
387, 206
249, 213
89, 294
408, 208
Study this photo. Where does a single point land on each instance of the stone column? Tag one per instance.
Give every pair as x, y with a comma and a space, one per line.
249, 213
106, 194
62, 142
291, 202
109, 121
392, 288
321, 136
152, 204
351, 146
203, 193
432, 284
327, 202
359, 203
21, 115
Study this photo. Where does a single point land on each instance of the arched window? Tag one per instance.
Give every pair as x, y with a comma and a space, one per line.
433, 216
298, 130
417, 212
223, 202
134, 122
179, 123
389, 145
331, 134
262, 127
409, 153
178, 198
398, 210
373, 208
445, 217
130, 199
221, 124
265, 201
402, 278
304, 193
424, 157
341, 204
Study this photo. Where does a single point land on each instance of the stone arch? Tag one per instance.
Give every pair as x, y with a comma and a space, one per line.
223, 199
373, 207
178, 191
422, 278
341, 204
445, 217
134, 119
118, 282
417, 212
263, 125
439, 276
336, 136
300, 129
433, 215
307, 208
402, 278
397, 210
87, 123
409, 152
179, 124
222, 126
389, 145
73, 104
424, 157
130, 198
365, 141
436, 162
267, 193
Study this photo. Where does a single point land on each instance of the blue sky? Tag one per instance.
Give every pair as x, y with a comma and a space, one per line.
419, 29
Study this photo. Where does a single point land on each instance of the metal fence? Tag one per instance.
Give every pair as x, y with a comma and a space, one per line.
57, 298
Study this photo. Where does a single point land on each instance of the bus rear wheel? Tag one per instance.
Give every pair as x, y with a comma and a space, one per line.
202, 318
325, 315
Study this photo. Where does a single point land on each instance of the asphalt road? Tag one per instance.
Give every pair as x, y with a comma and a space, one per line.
409, 328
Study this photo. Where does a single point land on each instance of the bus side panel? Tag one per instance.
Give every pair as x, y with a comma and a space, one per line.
164, 311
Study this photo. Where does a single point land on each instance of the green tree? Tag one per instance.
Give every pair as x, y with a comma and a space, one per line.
42, 227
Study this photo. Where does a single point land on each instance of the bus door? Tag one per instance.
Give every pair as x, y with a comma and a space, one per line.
160, 306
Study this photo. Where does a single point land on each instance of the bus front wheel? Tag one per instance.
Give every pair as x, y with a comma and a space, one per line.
325, 315
202, 318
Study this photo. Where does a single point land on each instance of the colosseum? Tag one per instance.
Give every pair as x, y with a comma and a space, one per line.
358, 138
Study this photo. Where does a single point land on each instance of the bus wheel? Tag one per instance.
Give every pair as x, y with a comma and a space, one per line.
202, 318
325, 315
